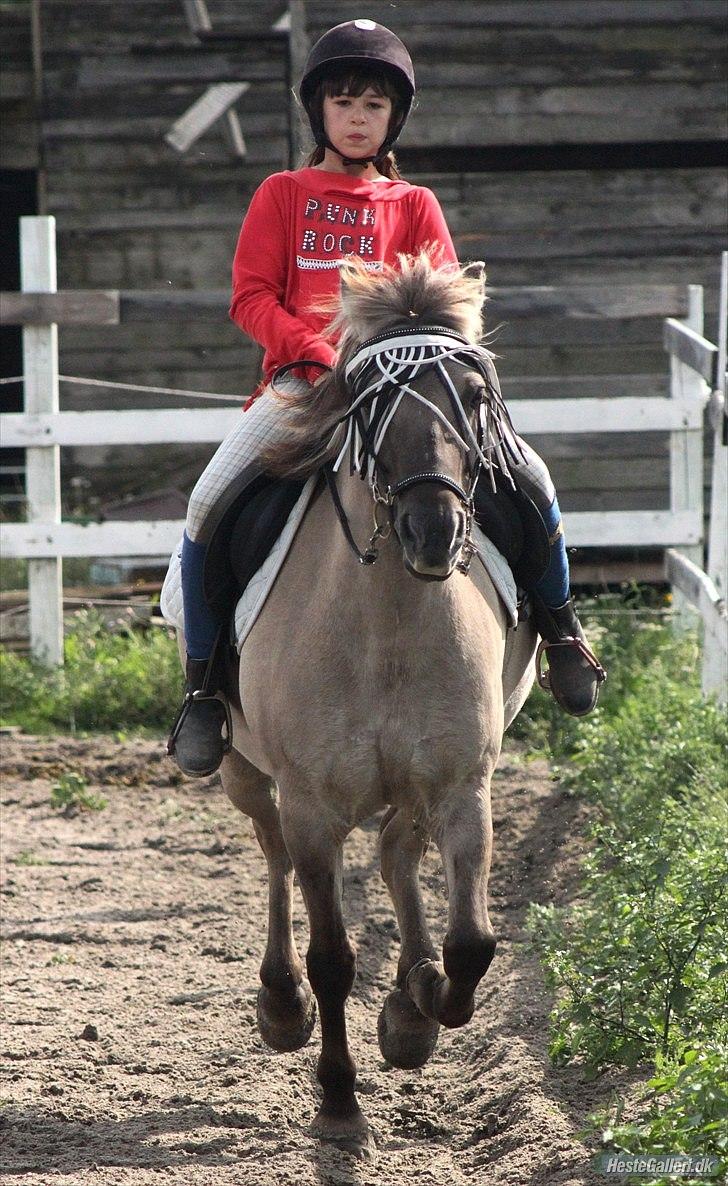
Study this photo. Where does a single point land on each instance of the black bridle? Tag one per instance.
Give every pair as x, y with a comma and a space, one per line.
379, 375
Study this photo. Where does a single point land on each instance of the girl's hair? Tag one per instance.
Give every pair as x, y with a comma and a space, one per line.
350, 80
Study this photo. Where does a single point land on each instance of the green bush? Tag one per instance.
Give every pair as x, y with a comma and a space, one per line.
110, 682
687, 1110
639, 964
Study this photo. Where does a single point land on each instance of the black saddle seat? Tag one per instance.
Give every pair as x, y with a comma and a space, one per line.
244, 537
512, 521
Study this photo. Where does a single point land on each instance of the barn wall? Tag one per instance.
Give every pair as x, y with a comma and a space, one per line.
550, 84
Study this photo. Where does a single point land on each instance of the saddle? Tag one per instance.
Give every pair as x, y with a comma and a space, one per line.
511, 520
251, 524
243, 538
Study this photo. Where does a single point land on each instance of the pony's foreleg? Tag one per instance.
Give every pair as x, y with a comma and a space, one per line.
316, 852
406, 1037
286, 1007
463, 832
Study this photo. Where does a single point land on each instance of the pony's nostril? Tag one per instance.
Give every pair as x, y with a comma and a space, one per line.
408, 528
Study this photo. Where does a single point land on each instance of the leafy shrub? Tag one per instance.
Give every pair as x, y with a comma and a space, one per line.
130, 680
639, 963
687, 1111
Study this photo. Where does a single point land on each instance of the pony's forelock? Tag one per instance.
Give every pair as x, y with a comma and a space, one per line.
417, 289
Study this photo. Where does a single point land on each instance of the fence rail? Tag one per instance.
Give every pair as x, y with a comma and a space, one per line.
42, 429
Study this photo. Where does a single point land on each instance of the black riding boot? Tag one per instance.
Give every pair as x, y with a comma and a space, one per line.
574, 673
196, 741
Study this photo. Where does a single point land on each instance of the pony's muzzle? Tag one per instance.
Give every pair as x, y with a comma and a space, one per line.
432, 536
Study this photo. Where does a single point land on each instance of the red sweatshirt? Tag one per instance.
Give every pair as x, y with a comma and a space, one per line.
299, 225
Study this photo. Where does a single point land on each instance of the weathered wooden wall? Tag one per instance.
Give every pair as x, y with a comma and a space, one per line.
542, 81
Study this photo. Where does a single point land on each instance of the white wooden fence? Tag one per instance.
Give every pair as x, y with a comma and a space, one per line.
708, 590
41, 429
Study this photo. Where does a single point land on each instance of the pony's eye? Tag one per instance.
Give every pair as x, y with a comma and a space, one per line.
474, 393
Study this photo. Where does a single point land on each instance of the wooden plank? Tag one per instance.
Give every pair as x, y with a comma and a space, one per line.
80, 307
137, 427
606, 415
718, 533
577, 301
686, 448
212, 424
692, 349
695, 585
590, 301
208, 109
173, 306
43, 474
113, 538
692, 580
158, 538
99, 74
548, 13
198, 18
655, 529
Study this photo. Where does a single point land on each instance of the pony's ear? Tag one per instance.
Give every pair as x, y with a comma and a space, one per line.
476, 271
350, 270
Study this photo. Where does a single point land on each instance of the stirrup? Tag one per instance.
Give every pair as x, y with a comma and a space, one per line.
543, 675
194, 698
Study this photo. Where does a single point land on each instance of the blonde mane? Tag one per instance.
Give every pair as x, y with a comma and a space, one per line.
415, 291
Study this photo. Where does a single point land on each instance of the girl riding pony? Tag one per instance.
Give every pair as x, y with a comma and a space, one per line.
349, 199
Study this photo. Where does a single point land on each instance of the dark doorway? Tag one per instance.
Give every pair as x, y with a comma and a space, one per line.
18, 196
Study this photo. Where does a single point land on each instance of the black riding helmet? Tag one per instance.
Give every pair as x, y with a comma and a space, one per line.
356, 44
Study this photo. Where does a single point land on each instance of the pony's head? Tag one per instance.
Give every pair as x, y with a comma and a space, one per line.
405, 404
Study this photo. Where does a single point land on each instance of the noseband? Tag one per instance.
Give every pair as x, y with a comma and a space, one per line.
379, 376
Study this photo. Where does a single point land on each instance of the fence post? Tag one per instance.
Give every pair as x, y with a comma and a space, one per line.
43, 478
715, 643
686, 445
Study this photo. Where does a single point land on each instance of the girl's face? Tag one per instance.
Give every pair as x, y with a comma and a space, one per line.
357, 124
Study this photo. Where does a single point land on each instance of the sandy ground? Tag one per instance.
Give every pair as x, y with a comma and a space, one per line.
133, 937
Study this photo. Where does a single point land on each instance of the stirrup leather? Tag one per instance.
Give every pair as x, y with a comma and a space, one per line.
543, 676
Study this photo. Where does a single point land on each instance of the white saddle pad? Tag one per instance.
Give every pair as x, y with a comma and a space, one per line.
254, 597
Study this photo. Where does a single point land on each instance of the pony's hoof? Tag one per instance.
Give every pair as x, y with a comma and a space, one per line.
406, 1038
351, 1135
286, 1023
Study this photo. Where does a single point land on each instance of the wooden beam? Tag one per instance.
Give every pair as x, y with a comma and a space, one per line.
626, 414
198, 18
584, 529
113, 538
138, 427
108, 307
215, 102
590, 301
692, 349
299, 46
165, 305
157, 426
43, 466
79, 307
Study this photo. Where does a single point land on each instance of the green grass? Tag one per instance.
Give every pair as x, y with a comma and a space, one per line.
71, 795
129, 682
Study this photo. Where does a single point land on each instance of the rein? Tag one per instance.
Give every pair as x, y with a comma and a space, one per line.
379, 375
